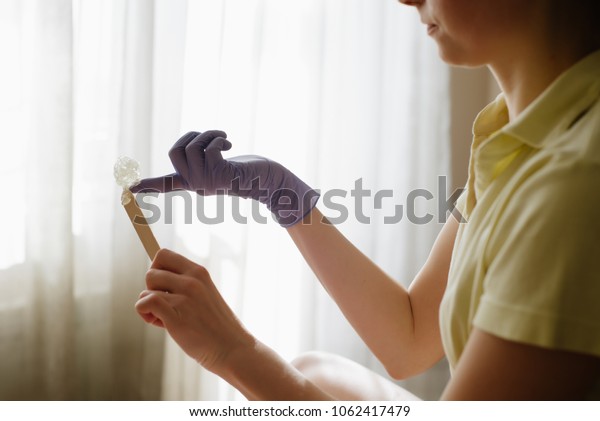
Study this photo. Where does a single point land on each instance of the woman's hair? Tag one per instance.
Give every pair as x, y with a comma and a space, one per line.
574, 21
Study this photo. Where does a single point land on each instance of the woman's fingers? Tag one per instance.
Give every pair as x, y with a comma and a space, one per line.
168, 260
164, 280
173, 273
154, 307
151, 319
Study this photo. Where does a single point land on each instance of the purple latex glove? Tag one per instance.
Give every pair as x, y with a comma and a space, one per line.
200, 167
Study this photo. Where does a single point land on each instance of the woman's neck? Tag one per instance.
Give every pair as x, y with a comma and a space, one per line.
523, 79
561, 37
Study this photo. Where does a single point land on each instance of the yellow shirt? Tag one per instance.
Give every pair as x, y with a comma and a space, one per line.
526, 264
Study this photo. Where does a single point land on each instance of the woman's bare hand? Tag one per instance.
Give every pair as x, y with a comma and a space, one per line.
182, 298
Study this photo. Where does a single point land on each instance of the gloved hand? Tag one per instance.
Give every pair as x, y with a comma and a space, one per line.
200, 167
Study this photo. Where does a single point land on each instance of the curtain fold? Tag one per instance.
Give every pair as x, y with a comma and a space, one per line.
340, 92
69, 330
44, 321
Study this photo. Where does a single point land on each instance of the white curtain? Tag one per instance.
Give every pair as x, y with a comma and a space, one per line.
340, 91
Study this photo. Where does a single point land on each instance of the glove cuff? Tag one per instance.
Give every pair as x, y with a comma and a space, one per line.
290, 206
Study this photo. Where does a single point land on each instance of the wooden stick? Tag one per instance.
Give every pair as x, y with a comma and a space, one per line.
140, 224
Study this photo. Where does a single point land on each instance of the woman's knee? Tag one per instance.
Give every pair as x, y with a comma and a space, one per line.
347, 380
314, 364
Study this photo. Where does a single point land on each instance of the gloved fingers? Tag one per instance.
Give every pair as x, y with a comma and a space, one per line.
177, 153
215, 147
164, 184
194, 151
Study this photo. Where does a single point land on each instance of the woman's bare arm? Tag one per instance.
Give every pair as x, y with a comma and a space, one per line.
400, 326
493, 368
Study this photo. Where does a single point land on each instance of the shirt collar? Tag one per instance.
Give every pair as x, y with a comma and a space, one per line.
573, 92
491, 119
495, 138
562, 102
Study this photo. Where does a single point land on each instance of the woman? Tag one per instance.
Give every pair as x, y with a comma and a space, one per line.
509, 297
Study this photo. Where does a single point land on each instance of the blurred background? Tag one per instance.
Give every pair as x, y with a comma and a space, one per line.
336, 90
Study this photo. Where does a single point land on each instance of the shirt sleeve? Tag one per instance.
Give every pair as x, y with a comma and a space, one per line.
542, 281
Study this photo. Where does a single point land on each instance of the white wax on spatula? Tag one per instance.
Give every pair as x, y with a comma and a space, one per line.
127, 175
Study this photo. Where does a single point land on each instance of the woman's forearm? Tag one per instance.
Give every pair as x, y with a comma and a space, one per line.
378, 307
400, 326
261, 374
